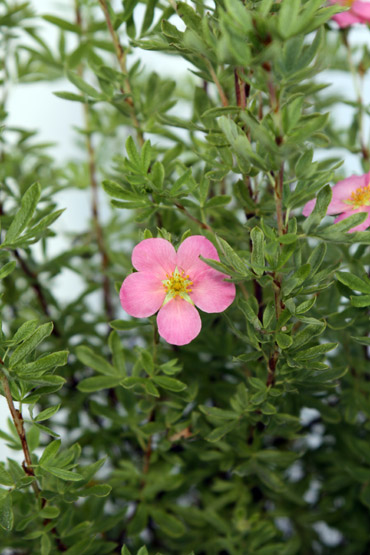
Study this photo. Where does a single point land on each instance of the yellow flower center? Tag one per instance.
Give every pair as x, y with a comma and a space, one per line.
360, 197
177, 284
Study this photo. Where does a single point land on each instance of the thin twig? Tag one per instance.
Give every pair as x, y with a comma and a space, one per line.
121, 57
36, 286
191, 217
221, 92
240, 92
108, 305
18, 423
27, 463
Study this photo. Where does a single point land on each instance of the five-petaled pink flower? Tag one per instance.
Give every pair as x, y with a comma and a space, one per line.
350, 196
359, 12
173, 283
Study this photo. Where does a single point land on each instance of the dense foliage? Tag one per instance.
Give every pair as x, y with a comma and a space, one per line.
132, 445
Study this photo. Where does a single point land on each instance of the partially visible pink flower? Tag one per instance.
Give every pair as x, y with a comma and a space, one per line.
174, 283
359, 12
350, 196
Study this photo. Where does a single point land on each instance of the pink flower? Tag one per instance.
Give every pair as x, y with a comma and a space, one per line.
350, 196
173, 283
359, 12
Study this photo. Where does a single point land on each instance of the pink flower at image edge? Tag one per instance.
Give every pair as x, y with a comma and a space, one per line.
350, 196
174, 283
359, 12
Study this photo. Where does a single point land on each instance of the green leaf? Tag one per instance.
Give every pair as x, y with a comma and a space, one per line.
219, 200
97, 383
25, 330
288, 20
66, 95
50, 452
169, 383
283, 340
122, 325
63, 474
142, 551
30, 344
5, 477
362, 340
47, 413
43, 364
88, 357
133, 154
23, 216
83, 86
168, 523
157, 175
221, 431
99, 490
306, 305
125, 551
277, 457
6, 512
360, 301
49, 512
62, 23
314, 352
354, 282
319, 212
7, 269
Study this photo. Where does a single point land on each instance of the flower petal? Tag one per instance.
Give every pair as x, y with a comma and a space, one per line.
360, 227
361, 9
341, 192
141, 294
178, 322
345, 19
188, 255
211, 293
154, 255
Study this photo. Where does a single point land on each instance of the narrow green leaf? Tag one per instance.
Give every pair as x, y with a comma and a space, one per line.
50, 451
7, 269
314, 352
169, 383
47, 413
83, 86
23, 216
319, 212
6, 512
88, 357
354, 282
62, 23
99, 490
167, 522
30, 344
45, 363
122, 325
97, 383
63, 474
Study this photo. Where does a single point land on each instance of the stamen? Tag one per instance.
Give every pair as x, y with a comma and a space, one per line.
360, 197
177, 284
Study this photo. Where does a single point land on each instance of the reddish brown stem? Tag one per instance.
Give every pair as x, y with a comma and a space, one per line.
36, 286
121, 57
18, 423
191, 217
108, 305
